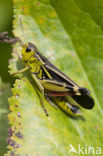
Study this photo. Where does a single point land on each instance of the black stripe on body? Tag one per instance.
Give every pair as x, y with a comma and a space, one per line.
44, 74
56, 76
61, 85
55, 72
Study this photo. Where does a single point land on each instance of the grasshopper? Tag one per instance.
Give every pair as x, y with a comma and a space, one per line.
51, 82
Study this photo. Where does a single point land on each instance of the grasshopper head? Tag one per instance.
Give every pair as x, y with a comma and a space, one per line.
28, 51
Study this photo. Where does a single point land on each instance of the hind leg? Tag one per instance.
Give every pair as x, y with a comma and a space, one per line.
51, 103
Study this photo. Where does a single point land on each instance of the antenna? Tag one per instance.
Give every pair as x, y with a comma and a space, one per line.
22, 27
21, 42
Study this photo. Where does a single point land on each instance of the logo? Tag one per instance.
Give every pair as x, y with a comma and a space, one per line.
72, 149
85, 149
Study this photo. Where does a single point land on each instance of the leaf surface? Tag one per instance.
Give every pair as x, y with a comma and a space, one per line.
72, 40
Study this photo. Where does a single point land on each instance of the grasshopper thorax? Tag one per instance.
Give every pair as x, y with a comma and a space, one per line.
28, 51
31, 58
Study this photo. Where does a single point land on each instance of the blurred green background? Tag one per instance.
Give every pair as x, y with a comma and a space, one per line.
6, 16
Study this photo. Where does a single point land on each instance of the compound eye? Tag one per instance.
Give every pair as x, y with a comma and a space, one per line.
28, 49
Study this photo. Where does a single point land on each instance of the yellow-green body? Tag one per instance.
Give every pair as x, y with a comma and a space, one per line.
52, 82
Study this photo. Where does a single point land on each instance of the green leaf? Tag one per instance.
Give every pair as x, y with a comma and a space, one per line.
4, 94
87, 39
72, 40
